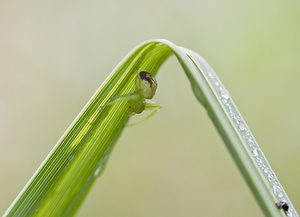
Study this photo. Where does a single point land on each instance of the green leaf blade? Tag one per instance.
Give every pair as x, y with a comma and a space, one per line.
63, 180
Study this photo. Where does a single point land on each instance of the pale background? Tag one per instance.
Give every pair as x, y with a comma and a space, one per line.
55, 54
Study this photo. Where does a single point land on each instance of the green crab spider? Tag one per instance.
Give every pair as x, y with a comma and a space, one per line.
146, 85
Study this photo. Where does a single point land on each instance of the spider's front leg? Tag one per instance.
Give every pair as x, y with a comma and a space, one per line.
140, 106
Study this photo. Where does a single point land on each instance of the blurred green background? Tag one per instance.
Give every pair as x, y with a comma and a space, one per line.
55, 54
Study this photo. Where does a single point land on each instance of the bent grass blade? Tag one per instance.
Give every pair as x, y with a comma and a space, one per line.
66, 175
64, 178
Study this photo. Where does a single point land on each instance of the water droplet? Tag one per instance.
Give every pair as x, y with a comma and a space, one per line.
270, 176
251, 145
255, 152
228, 105
97, 171
225, 94
260, 163
241, 126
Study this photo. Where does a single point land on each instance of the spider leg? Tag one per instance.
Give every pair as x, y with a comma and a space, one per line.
125, 97
150, 106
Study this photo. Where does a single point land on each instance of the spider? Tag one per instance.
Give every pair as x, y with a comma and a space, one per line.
146, 85
283, 205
